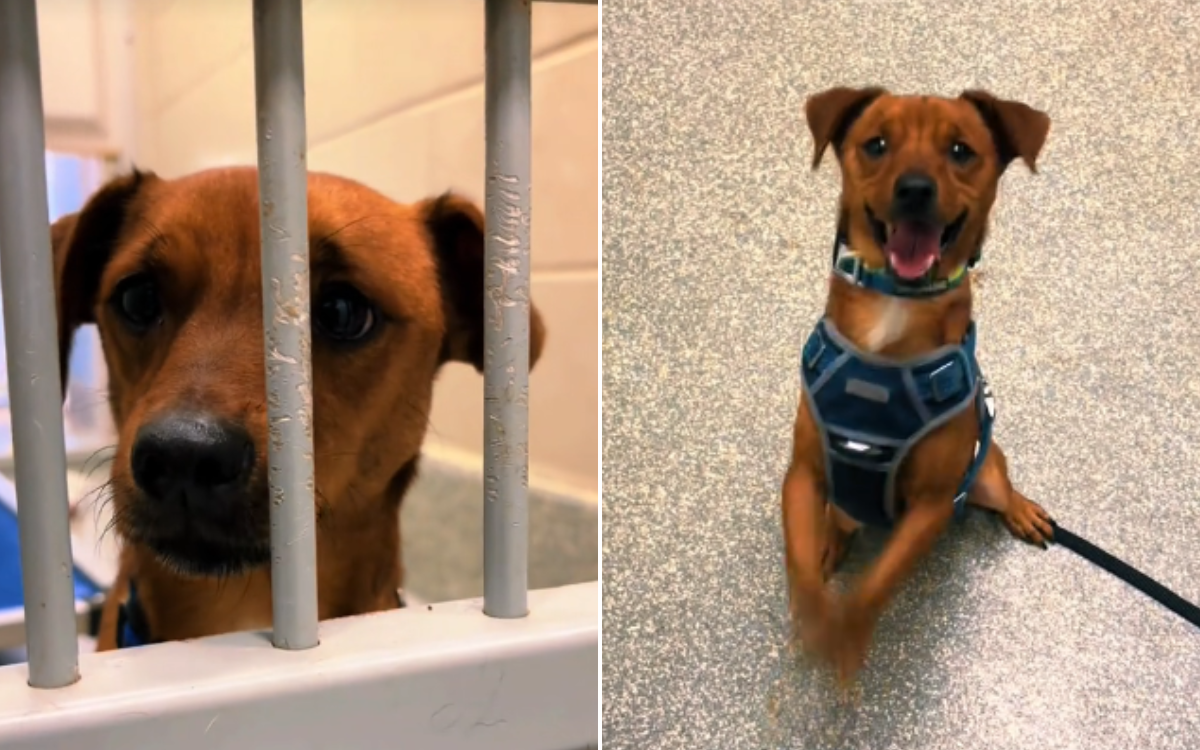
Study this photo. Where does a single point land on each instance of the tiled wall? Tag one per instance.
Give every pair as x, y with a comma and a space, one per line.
395, 99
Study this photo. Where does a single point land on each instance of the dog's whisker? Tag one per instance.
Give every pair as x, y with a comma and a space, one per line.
102, 493
102, 463
110, 455
329, 237
97, 499
111, 526
246, 581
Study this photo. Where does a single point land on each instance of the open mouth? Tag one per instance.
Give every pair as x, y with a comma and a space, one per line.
913, 247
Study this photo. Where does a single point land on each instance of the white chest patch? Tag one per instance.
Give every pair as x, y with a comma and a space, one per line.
889, 326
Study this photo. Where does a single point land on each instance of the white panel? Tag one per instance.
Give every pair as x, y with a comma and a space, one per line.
444, 677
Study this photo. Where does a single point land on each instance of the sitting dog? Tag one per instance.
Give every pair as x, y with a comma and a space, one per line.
894, 426
170, 271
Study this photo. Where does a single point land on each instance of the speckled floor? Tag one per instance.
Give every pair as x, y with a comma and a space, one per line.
716, 239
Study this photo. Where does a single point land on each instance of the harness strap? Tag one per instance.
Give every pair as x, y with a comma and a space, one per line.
940, 384
870, 411
987, 417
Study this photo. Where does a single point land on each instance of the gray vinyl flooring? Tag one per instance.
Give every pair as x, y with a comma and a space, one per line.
716, 244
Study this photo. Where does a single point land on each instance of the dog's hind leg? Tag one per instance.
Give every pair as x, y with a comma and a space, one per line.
993, 490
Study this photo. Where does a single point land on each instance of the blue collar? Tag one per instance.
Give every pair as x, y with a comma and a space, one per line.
132, 628
849, 266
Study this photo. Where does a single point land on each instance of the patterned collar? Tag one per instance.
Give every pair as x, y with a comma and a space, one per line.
850, 267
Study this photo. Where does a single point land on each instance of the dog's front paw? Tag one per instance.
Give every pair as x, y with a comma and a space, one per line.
812, 621
837, 633
856, 626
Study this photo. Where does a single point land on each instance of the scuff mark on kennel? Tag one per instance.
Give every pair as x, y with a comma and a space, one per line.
515, 670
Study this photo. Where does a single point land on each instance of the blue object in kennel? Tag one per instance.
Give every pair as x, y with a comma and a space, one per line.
12, 595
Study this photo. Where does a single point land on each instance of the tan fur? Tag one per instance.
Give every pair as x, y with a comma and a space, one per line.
920, 130
420, 264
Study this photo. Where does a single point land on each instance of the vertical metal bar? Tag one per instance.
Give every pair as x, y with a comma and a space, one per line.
31, 339
283, 207
506, 310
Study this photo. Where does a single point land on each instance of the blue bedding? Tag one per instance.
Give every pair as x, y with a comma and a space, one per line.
11, 590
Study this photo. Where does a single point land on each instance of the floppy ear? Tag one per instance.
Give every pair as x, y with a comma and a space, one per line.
1018, 129
83, 243
455, 226
831, 113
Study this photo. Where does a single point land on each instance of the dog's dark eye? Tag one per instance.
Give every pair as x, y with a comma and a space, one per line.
137, 302
875, 148
342, 313
961, 153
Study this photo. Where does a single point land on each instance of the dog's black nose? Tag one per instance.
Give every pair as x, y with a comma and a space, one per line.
914, 192
192, 464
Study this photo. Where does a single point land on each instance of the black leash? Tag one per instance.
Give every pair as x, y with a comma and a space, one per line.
1127, 573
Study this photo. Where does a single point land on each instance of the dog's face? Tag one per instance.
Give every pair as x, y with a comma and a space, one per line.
919, 173
170, 272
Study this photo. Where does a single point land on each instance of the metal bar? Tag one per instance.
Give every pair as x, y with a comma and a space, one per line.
283, 206
31, 339
506, 311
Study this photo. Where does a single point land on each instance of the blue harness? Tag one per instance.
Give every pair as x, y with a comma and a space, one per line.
871, 411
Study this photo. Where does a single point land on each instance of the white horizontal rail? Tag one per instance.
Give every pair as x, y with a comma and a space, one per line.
440, 678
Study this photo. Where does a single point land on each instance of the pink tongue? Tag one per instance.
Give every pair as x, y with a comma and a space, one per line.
913, 249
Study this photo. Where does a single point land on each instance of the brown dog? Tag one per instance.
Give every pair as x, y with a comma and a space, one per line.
894, 425
170, 272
